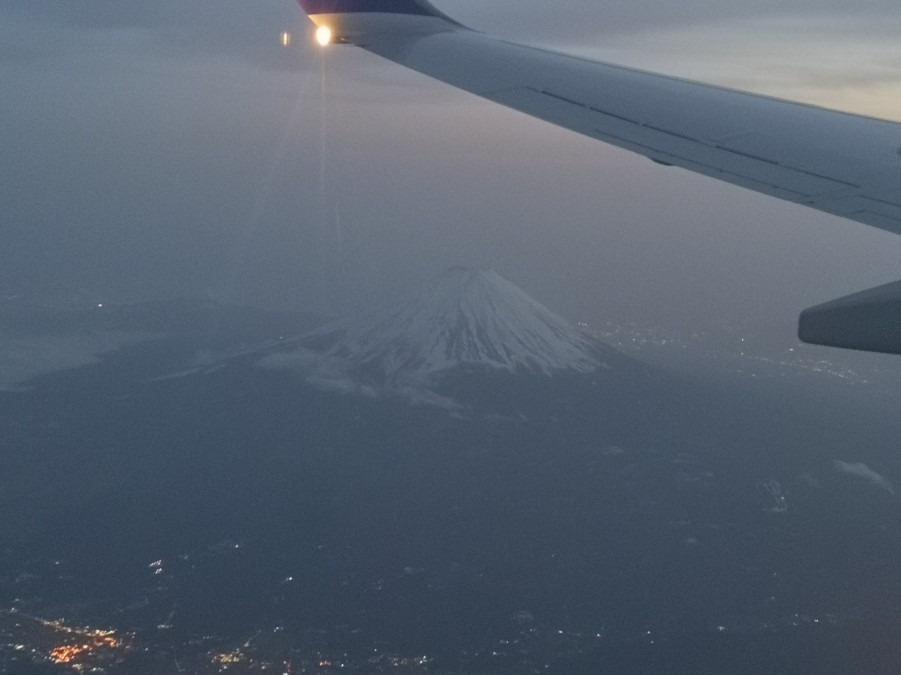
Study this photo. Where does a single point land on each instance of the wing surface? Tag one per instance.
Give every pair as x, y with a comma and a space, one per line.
839, 163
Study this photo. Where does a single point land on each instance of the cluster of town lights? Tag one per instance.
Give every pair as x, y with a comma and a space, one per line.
94, 641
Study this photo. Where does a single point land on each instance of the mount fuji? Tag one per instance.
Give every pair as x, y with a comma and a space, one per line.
462, 321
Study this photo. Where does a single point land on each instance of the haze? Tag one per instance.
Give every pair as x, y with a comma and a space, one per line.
179, 149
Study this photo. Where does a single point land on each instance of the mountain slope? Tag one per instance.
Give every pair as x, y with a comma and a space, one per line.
463, 318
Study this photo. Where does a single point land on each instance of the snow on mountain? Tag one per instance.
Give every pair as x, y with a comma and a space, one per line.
462, 318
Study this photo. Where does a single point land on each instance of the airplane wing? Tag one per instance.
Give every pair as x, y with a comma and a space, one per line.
839, 163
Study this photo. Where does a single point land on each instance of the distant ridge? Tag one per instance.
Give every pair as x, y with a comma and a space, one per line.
463, 318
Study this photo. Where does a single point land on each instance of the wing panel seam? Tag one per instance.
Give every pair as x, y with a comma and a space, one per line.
617, 140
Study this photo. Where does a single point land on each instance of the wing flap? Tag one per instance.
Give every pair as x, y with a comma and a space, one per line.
718, 161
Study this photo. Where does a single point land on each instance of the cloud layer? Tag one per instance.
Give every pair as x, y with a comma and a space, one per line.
861, 470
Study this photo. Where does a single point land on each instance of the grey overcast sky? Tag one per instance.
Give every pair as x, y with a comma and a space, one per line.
176, 148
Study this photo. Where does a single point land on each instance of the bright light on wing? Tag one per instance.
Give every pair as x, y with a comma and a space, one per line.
323, 35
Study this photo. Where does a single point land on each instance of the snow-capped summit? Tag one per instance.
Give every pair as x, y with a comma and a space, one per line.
463, 317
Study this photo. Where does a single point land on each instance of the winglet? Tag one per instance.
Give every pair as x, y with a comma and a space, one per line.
421, 7
351, 20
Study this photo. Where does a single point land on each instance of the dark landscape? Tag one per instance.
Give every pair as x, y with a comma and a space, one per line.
165, 512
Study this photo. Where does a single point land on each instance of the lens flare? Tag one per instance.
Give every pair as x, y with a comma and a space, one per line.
323, 35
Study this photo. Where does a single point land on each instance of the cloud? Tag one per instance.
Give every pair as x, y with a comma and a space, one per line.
230, 28
861, 470
104, 14
834, 59
588, 21
24, 359
329, 374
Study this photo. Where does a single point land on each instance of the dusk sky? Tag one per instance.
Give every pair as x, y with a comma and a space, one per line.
177, 148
